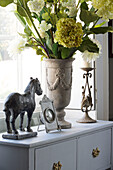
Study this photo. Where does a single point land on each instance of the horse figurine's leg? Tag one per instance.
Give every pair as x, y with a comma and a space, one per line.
8, 114
29, 115
14, 116
21, 121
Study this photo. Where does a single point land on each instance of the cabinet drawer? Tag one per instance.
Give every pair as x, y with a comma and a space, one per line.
97, 160
65, 152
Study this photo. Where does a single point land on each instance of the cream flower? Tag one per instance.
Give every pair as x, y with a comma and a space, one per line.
36, 5
72, 11
69, 3
90, 56
104, 7
16, 46
71, 6
42, 28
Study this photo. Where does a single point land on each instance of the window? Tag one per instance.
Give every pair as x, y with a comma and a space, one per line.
7, 65
14, 72
110, 40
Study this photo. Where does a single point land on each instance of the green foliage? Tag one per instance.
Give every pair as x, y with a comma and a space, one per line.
4, 3
54, 19
23, 10
49, 43
23, 35
42, 57
27, 30
39, 17
92, 9
39, 52
61, 15
22, 7
50, 0
99, 25
101, 30
65, 52
87, 44
55, 49
88, 16
20, 18
56, 39
84, 6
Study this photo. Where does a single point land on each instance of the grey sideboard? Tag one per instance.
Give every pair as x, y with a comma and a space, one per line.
83, 147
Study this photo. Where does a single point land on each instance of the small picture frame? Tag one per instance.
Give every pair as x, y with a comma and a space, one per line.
49, 114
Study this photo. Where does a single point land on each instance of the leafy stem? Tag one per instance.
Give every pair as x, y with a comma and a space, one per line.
39, 44
30, 18
36, 41
55, 6
51, 20
19, 2
95, 22
78, 3
24, 3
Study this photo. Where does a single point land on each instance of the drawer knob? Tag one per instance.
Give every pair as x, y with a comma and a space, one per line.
57, 166
95, 152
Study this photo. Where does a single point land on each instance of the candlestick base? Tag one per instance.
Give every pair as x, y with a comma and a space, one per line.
86, 119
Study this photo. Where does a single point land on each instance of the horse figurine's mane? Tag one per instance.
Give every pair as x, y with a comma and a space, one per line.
28, 88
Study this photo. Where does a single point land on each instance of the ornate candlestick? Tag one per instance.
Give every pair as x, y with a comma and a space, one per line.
86, 104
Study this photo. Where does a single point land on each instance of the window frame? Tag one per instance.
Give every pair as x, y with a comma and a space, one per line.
102, 79
110, 40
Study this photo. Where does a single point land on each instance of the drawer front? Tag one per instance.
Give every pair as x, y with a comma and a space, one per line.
94, 151
64, 152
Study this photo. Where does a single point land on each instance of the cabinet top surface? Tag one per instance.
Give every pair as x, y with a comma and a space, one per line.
43, 138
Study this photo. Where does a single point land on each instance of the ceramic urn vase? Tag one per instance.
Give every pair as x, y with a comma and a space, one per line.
59, 83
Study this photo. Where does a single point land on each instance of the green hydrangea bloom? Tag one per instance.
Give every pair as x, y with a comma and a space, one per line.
104, 7
69, 33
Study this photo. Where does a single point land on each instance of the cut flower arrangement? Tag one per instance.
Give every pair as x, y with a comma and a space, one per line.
56, 29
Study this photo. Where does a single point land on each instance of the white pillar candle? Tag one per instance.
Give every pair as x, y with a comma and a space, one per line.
86, 64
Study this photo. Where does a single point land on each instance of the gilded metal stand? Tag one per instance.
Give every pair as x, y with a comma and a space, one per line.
86, 104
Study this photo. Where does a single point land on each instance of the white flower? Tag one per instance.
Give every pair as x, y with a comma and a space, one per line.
36, 22
36, 5
90, 56
42, 28
16, 46
15, 1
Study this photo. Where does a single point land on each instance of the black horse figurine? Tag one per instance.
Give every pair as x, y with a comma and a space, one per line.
16, 104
